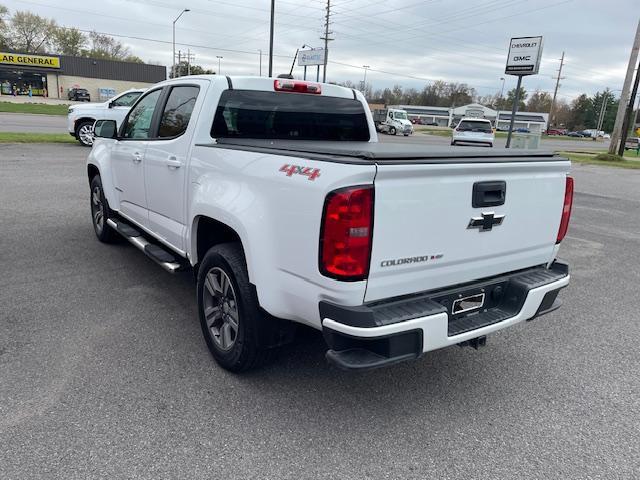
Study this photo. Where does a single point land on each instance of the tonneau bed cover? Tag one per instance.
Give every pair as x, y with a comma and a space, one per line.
367, 152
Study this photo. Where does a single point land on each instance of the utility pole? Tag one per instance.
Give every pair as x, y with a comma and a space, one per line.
260, 50
273, 10
603, 110
624, 96
326, 40
179, 72
628, 114
555, 93
188, 61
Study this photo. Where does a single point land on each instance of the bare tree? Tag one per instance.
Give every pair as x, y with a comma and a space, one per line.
30, 33
4, 27
106, 47
69, 41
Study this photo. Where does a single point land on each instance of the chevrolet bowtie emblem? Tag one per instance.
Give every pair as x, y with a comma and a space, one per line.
486, 222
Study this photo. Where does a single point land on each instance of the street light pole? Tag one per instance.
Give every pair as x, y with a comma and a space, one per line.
219, 58
173, 63
364, 81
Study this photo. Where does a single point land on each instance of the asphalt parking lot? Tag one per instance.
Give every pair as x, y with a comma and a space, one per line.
104, 372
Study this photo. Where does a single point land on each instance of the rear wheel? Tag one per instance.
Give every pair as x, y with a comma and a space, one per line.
84, 133
392, 131
228, 309
453, 142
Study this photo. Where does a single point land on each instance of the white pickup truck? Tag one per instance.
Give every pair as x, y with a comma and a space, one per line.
80, 118
279, 197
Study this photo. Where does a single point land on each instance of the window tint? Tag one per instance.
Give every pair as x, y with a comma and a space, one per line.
475, 125
126, 100
177, 111
290, 116
139, 121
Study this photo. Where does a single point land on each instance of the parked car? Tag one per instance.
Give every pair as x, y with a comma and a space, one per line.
473, 130
606, 136
268, 190
522, 130
556, 131
79, 95
81, 118
632, 144
575, 134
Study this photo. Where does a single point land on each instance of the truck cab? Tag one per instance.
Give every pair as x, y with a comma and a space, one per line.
393, 121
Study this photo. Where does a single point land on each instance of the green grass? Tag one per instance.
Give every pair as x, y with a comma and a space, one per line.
19, 137
590, 159
40, 108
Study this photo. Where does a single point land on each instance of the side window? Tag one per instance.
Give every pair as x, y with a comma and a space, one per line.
177, 111
139, 121
126, 100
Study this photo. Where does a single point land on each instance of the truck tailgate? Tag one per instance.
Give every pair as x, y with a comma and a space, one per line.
422, 237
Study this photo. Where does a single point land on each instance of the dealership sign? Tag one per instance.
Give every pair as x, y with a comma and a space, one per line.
524, 56
29, 60
311, 57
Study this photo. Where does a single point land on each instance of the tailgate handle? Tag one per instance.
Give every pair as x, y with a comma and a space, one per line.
489, 194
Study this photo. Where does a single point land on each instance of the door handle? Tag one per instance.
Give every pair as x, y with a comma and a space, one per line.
173, 162
137, 157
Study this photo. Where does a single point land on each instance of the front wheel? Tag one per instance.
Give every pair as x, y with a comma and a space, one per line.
100, 212
84, 133
392, 131
228, 309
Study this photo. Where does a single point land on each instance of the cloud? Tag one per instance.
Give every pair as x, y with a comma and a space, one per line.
405, 42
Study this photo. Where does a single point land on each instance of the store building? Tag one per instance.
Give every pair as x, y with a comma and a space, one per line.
535, 122
54, 75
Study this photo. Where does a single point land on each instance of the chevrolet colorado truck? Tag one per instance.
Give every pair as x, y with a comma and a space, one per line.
279, 197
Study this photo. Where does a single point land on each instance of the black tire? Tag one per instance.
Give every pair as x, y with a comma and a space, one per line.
453, 142
392, 131
100, 212
81, 133
246, 351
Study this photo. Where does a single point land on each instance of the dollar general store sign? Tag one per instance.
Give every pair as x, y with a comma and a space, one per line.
29, 60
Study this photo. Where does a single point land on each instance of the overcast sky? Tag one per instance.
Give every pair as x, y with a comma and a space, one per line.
405, 42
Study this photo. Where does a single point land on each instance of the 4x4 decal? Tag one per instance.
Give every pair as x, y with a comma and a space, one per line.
290, 170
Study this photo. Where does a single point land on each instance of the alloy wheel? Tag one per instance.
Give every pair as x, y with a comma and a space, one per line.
220, 309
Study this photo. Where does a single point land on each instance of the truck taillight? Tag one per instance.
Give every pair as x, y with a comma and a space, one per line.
346, 232
296, 86
566, 209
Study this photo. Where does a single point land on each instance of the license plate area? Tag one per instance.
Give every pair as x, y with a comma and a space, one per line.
468, 304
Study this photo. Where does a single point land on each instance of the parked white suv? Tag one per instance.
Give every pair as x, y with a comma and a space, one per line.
81, 118
473, 130
277, 193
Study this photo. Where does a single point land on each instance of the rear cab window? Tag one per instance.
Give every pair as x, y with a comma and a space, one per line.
289, 116
475, 126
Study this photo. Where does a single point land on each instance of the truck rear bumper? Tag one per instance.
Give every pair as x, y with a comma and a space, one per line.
383, 333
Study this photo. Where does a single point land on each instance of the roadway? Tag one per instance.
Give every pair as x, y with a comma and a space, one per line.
17, 122
104, 372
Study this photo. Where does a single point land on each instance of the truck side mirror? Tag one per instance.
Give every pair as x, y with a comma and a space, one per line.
105, 129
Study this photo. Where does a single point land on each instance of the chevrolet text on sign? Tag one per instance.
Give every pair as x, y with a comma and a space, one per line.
524, 56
